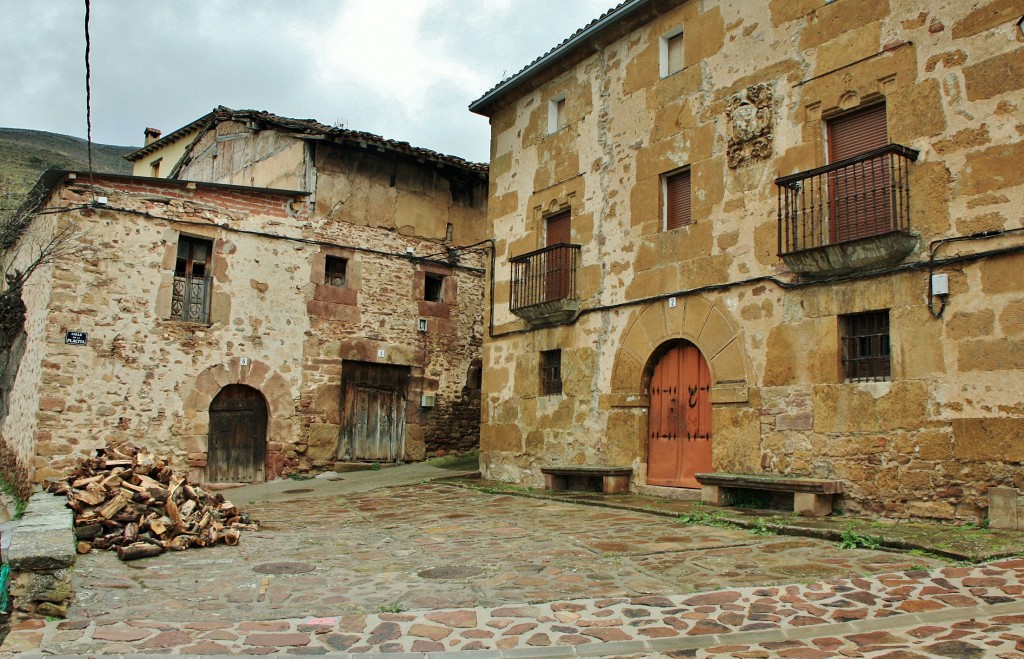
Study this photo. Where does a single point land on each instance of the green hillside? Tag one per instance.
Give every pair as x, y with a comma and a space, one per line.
25, 154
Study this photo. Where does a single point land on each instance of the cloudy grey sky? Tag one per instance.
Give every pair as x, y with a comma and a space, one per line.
405, 69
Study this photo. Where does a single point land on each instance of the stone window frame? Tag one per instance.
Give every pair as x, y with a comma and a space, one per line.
665, 42
865, 346
449, 290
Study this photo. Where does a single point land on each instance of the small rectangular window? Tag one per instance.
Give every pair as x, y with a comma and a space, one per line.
335, 271
671, 47
556, 114
865, 346
551, 372
190, 293
676, 200
433, 288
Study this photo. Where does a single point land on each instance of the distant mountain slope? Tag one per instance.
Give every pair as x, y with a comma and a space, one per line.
25, 154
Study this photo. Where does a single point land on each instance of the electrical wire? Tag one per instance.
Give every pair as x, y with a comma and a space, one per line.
88, 89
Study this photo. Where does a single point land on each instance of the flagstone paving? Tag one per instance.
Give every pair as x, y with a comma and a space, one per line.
432, 568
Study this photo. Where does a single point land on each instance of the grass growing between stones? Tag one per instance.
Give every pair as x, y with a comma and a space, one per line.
10, 494
466, 461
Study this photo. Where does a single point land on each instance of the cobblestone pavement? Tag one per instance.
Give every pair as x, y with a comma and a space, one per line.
432, 568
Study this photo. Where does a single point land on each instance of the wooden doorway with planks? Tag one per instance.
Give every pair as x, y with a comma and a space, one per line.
373, 407
679, 418
238, 436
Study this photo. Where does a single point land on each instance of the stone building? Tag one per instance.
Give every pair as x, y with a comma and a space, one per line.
774, 237
290, 296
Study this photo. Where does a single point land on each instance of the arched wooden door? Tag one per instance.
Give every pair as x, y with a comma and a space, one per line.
238, 436
679, 419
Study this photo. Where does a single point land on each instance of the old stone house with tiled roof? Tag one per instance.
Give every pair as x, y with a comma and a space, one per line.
744, 245
264, 296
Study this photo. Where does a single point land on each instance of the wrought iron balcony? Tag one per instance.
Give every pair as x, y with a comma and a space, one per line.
544, 285
851, 215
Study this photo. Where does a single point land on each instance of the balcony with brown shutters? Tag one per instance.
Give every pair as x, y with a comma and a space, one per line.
544, 285
849, 216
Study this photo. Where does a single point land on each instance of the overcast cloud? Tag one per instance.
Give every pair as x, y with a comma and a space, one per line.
404, 69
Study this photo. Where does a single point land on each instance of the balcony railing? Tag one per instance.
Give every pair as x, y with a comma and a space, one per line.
190, 298
864, 197
544, 285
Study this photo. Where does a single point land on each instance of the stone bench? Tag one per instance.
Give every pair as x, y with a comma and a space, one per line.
812, 497
610, 480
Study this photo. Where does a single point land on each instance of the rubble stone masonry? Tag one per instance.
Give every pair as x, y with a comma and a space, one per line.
149, 379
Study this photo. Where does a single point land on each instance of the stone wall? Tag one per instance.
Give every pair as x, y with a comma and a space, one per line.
928, 442
150, 379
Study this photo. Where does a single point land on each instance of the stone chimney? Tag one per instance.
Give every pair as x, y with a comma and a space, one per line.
152, 135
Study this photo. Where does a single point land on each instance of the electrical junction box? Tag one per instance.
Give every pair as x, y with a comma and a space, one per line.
940, 284
428, 400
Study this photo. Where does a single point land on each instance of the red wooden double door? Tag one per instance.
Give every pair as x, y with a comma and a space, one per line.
679, 420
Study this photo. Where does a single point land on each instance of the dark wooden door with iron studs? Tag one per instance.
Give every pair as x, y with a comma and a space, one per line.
679, 419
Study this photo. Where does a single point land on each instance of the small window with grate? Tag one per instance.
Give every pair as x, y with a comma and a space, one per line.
335, 271
433, 288
550, 372
865, 346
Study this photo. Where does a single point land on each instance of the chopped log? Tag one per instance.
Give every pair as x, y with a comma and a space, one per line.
172, 511
113, 506
230, 536
158, 526
88, 531
83, 547
188, 507
138, 550
82, 482
89, 497
131, 532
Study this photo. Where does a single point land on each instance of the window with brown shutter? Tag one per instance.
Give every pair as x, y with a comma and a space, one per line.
677, 200
859, 194
550, 372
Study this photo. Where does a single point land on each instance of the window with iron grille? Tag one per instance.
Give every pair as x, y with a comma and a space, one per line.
190, 293
676, 200
865, 346
335, 271
550, 372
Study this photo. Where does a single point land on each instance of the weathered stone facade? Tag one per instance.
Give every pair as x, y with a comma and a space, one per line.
945, 422
277, 323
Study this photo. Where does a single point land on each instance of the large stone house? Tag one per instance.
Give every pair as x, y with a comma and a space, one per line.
286, 296
765, 237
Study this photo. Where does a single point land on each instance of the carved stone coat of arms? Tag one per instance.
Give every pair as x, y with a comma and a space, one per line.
751, 124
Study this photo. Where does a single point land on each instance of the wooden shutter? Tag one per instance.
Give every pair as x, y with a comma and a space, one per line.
856, 133
674, 46
559, 229
677, 200
859, 203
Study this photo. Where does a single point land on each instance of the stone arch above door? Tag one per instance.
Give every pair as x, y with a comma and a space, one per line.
259, 376
708, 326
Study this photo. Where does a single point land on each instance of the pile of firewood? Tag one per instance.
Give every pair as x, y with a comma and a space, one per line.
129, 500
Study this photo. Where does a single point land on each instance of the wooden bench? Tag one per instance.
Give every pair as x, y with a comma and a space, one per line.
812, 497
610, 480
